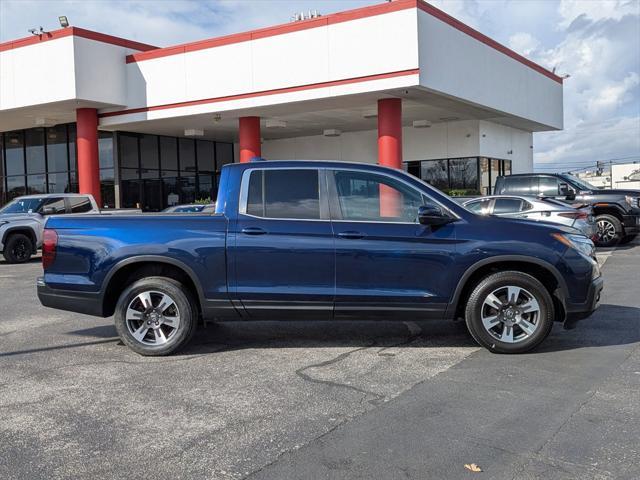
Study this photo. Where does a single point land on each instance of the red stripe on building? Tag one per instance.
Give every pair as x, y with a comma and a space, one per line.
262, 93
76, 32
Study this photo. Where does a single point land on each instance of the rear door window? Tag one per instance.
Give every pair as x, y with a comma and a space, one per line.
481, 207
520, 185
285, 193
80, 204
507, 205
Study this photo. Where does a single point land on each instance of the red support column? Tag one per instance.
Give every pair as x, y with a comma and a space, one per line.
249, 138
389, 150
87, 142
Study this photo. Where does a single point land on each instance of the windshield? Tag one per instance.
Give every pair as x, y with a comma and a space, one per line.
23, 205
579, 182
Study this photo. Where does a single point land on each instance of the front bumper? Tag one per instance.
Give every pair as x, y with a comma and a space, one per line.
631, 224
89, 303
579, 311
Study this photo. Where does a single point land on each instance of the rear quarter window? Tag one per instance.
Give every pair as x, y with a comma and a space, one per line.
80, 204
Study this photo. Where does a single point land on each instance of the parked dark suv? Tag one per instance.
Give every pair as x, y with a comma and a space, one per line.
617, 211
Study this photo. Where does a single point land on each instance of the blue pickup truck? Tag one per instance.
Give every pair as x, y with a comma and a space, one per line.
320, 240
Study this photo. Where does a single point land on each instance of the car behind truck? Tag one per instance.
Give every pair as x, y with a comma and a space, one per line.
320, 240
617, 212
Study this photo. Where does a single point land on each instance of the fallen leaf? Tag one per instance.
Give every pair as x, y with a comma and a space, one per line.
473, 467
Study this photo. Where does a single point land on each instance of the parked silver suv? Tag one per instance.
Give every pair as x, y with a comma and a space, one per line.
22, 221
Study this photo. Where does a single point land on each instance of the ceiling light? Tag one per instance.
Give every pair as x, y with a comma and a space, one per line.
193, 132
64, 22
45, 122
332, 132
449, 119
421, 124
370, 114
273, 123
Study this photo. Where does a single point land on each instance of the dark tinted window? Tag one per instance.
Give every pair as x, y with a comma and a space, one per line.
520, 185
34, 139
371, 197
80, 204
507, 205
57, 148
57, 204
284, 194
14, 145
187, 156
548, 186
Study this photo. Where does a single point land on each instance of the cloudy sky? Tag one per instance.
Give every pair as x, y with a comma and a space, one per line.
596, 42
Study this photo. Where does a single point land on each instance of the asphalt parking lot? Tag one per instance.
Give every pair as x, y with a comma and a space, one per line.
319, 400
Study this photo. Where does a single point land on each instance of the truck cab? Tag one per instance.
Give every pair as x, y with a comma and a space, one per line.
617, 212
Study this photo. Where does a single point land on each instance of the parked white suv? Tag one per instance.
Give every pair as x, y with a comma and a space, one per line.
22, 221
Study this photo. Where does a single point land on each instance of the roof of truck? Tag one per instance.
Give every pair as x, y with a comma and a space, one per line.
49, 195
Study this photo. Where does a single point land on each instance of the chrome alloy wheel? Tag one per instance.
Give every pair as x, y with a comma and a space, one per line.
510, 314
152, 318
606, 231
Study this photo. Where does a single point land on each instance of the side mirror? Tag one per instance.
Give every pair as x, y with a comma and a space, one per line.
432, 215
47, 211
566, 191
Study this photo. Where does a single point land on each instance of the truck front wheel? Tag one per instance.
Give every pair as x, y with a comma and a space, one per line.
18, 248
155, 316
509, 312
610, 230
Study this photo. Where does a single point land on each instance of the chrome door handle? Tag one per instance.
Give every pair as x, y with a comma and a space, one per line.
254, 231
351, 235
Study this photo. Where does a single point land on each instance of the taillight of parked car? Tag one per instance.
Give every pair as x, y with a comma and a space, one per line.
49, 245
577, 215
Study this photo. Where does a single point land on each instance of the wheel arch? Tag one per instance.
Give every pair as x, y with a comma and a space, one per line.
545, 272
127, 271
24, 229
608, 209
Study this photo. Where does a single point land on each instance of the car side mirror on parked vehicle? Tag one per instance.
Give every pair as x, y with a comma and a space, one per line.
566, 191
47, 211
433, 215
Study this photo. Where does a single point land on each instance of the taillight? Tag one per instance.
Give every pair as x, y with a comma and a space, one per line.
577, 215
49, 245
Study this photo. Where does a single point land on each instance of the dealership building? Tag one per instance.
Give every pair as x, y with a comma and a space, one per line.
401, 84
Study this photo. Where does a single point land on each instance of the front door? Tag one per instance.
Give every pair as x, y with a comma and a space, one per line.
283, 246
386, 262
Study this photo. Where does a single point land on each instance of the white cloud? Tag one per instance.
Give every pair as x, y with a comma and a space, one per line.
524, 43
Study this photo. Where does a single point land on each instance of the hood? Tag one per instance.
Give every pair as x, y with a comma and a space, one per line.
533, 226
12, 217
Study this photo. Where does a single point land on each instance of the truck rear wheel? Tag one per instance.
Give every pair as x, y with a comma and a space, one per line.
156, 316
18, 248
610, 230
509, 312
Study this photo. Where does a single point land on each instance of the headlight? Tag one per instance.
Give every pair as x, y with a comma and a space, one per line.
578, 242
633, 202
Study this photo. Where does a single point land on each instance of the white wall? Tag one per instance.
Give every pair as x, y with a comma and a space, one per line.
37, 74
443, 140
454, 63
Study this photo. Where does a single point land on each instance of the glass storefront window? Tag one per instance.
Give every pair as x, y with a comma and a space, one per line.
463, 175
58, 182
169, 156
187, 189
128, 145
36, 184
105, 149
34, 139
14, 151
224, 154
15, 187
206, 157
495, 172
436, 173
71, 133
187, 156
57, 155
149, 158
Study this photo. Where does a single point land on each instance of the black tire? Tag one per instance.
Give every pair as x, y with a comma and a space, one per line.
611, 224
18, 248
494, 282
187, 313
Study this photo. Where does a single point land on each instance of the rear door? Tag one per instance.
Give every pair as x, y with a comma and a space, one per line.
385, 260
283, 246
